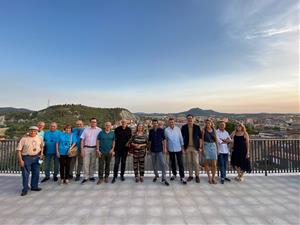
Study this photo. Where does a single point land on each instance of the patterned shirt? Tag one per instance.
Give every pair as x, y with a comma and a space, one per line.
30, 145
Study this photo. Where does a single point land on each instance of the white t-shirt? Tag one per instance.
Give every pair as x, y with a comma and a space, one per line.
223, 147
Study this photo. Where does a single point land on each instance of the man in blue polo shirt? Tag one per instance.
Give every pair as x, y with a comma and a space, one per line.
158, 146
105, 150
50, 138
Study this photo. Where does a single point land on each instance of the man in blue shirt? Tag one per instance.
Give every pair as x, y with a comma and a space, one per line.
50, 138
105, 150
175, 147
157, 147
77, 133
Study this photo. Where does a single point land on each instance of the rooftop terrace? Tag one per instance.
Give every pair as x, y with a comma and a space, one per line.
259, 200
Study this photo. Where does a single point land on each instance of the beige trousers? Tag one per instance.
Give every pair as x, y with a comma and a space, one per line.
89, 162
193, 161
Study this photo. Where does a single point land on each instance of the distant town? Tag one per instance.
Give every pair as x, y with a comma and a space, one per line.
263, 126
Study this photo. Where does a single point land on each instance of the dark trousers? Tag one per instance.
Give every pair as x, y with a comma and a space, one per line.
223, 160
120, 156
104, 165
79, 160
64, 162
173, 157
48, 160
139, 162
31, 163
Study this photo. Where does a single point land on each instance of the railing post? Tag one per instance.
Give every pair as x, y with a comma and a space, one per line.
266, 162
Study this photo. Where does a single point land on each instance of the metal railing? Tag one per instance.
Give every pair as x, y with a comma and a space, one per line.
267, 156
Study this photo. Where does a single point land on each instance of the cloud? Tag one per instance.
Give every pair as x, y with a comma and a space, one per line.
272, 31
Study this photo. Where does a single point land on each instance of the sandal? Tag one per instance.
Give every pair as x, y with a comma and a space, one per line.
209, 181
214, 181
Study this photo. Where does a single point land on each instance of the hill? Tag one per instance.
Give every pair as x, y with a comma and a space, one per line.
193, 111
4, 110
18, 122
203, 112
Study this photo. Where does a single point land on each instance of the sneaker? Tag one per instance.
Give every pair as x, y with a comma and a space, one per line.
137, 179
165, 182
36, 189
113, 180
155, 179
227, 179
55, 179
183, 181
24, 193
45, 179
106, 179
77, 178
190, 179
173, 177
100, 181
83, 181
122, 178
222, 181
142, 179
92, 179
67, 181
197, 179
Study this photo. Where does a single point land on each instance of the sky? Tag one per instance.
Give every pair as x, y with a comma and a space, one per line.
152, 55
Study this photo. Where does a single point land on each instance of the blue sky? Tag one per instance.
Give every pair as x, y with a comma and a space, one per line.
152, 56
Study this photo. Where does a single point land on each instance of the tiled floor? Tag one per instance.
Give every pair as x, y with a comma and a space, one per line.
259, 200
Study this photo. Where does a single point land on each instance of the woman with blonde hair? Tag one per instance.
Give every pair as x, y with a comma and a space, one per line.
139, 144
241, 151
210, 147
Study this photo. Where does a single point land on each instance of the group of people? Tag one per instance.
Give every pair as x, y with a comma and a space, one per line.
94, 143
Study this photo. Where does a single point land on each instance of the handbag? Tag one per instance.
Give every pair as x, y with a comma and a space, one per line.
74, 150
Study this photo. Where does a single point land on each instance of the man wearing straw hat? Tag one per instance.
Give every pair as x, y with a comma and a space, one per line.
30, 151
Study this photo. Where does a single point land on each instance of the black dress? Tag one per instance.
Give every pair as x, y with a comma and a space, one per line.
239, 154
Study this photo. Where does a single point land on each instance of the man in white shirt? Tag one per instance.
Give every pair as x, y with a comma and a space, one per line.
223, 140
174, 141
88, 149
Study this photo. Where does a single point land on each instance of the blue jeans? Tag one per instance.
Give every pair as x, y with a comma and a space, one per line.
158, 162
30, 163
48, 162
223, 160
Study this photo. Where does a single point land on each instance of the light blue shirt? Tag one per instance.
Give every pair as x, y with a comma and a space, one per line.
64, 142
174, 139
78, 133
41, 133
50, 140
